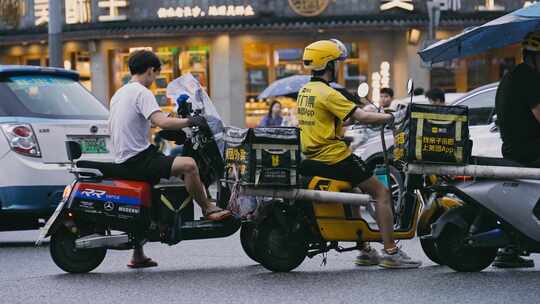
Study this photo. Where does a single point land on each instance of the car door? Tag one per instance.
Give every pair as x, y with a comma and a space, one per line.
486, 138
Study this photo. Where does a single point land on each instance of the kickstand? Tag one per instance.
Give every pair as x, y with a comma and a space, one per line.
324, 259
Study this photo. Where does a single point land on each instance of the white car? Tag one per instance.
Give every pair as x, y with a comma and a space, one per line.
41, 108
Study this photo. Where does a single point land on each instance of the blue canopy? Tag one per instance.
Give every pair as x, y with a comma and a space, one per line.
508, 29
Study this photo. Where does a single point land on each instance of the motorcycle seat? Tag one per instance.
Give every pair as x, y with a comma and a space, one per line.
494, 161
109, 170
310, 169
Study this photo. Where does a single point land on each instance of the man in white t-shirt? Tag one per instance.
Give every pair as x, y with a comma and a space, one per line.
133, 108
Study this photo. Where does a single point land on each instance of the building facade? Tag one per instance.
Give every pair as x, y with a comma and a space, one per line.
237, 47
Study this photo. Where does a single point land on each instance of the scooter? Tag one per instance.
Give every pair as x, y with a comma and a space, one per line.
288, 230
102, 210
496, 212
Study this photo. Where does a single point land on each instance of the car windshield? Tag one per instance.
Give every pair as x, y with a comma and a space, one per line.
480, 106
50, 97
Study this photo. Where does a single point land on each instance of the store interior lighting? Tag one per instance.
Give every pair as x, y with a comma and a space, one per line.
414, 36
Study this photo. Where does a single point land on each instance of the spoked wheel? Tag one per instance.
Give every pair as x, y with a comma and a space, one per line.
71, 259
247, 239
278, 250
453, 249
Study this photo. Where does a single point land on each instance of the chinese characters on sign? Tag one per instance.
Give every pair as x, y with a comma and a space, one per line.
448, 5
41, 11
438, 144
77, 11
403, 4
490, 6
308, 8
113, 7
213, 11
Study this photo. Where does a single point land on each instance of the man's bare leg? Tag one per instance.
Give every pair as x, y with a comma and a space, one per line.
192, 180
383, 209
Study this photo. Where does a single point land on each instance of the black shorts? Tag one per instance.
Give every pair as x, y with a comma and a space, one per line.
149, 165
352, 169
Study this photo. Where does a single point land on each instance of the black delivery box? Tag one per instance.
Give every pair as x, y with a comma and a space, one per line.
434, 134
262, 156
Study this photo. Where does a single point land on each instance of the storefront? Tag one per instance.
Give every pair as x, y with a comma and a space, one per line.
236, 48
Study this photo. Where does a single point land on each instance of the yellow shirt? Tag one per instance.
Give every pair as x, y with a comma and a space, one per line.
321, 112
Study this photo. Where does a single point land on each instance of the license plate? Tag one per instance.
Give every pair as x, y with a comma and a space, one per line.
92, 145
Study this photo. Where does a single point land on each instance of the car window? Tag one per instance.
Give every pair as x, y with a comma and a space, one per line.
52, 97
480, 107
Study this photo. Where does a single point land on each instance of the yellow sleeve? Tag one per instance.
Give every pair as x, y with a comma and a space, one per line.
338, 105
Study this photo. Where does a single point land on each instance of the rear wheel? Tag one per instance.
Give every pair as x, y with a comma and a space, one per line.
71, 259
247, 239
453, 249
278, 250
428, 245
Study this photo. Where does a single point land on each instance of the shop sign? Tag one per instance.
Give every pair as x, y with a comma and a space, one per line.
308, 8
212, 11
403, 4
447, 5
41, 12
113, 7
490, 5
78, 11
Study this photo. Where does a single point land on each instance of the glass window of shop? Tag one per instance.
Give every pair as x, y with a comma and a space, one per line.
469, 73
176, 61
266, 63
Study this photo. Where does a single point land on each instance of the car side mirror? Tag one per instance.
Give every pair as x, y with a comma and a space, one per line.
73, 150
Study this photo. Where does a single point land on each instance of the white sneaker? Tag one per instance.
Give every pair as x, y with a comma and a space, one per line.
368, 257
398, 260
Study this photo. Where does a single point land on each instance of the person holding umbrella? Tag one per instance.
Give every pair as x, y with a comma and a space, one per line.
273, 118
517, 104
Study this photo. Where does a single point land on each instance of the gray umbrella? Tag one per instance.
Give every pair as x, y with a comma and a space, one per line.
288, 86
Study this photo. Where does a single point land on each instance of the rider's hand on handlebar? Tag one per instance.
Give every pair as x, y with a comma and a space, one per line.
397, 118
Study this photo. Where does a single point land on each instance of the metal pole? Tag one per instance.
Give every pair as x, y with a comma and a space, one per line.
310, 195
56, 20
494, 172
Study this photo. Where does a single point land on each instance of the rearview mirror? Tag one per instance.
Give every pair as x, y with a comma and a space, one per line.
410, 86
363, 90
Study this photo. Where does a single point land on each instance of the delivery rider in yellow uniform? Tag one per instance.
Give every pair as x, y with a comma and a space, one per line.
322, 112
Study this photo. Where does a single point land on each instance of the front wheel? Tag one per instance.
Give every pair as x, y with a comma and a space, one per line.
71, 259
453, 249
278, 250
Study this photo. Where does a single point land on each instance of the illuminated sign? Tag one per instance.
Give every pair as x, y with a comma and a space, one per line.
490, 6
213, 11
113, 7
308, 8
403, 4
41, 12
447, 5
78, 11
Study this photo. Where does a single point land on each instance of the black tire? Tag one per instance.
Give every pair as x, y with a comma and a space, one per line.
453, 250
279, 251
69, 259
397, 187
247, 240
428, 246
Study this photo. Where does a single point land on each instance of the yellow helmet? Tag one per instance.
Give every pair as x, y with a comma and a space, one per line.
318, 54
532, 42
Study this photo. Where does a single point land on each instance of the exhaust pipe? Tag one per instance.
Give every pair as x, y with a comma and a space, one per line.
100, 241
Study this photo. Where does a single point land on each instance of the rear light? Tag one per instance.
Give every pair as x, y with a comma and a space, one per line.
21, 139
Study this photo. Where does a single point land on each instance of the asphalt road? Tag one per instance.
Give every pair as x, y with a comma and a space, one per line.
217, 271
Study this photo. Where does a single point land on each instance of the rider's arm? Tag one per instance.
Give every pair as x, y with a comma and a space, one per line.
161, 120
371, 118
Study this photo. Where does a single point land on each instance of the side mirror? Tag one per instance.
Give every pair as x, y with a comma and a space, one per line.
74, 150
363, 90
410, 86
